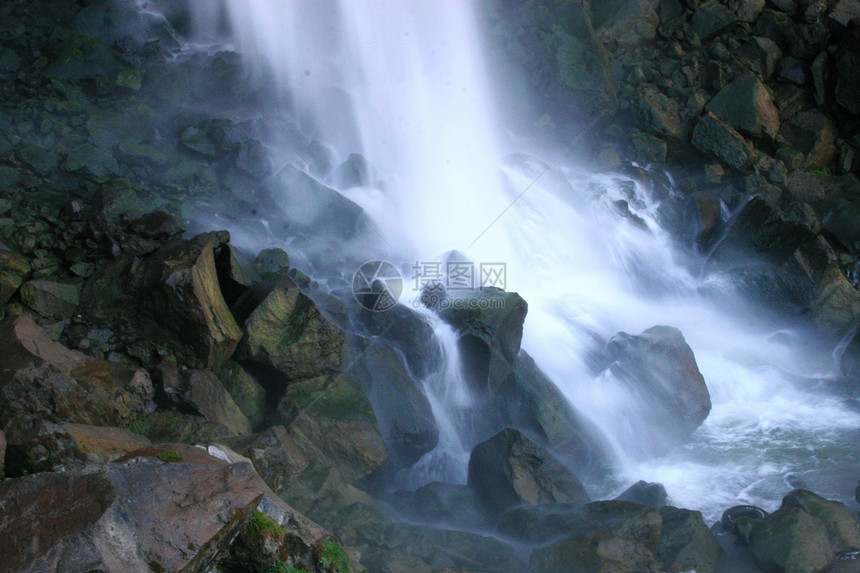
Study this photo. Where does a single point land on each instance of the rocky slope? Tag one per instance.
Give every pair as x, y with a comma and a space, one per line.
170, 402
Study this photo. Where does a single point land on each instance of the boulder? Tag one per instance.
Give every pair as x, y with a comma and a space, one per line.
632, 23
814, 134
402, 409
449, 503
272, 261
804, 534
509, 470
596, 552
844, 12
836, 303
41, 159
236, 273
91, 160
332, 422
545, 524
2, 455
847, 83
489, 324
308, 204
51, 299
195, 139
287, 333
747, 10
246, 391
13, 270
745, 105
140, 515
661, 369
202, 392
712, 135
841, 215
711, 19
42, 380
354, 172
660, 113
686, 543
275, 456
183, 299
644, 493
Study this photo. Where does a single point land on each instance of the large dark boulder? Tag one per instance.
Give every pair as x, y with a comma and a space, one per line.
13, 270
402, 409
746, 105
804, 534
661, 370
183, 300
644, 493
595, 552
509, 470
814, 134
715, 136
275, 456
776, 262
490, 328
686, 543
140, 515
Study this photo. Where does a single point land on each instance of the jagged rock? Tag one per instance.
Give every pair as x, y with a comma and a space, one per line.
745, 105
157, 225
762, 55
814, 134
662, 370
632, 23
596, 552
747, 10
711, 19
9, 176
783, 5
528, 399
836, 303
845, 11
804, 534
236, 274
403, 411
39, 158
275, 456
272, 261
686, 543
714, 136
649, 148
644, 493
246, 391
91, 160
139, 515
103, 443
287, 333
196, 140
253, 159
50, 299
354, 172
410, 333
13, 270
332, 421
660, 112
510, 470
308, 204
490, 334
41, 379
182, 296
842, 214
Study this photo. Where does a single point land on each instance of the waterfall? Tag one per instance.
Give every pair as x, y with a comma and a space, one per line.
406, 85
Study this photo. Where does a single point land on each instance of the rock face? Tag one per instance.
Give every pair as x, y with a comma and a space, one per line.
41, 379
137, 515
714, 136
686, 543
745, 105
661, 369
183, 296
804, 534
510, 470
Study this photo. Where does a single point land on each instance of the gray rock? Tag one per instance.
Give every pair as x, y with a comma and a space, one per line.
783, 5
644, 493
714, 136
592, 552
272, 261
847, 80
836, 303
91, 160
762, 55
660, 367
509, 470
845, 11
41, 159
632, 23
2, 455
791, 70
139, 515
51, 299
9, 176
686, 543
449, 503
196, 140
747, 10
275, 456
253, 159
13, 270
745, 105
813, 133
712, 19
660, 113
248, 394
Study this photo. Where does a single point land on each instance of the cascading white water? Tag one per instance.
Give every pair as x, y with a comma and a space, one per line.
404, 83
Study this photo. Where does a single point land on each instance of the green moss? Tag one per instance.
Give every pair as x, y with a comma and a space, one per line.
261, 527
333, 558
822, 173
279, 566
169, 456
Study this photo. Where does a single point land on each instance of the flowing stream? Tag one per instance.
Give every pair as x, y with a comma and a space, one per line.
406, 85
